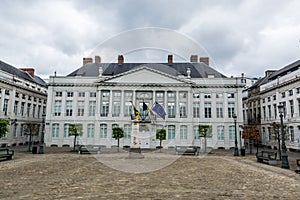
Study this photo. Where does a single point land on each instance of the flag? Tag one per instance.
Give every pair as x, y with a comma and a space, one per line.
145, 107
136, 111
160, 111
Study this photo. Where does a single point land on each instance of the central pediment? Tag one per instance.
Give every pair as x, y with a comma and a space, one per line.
144, 75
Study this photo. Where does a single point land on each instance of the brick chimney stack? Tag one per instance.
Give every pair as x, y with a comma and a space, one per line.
269, 72
120, 59
30, 71
194, 58
170, 59
97, 59
87, 60
204, 60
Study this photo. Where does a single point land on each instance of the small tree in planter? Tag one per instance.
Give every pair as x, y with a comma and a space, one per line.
161, 135
117, 133
31, 129
205, 131
3, 127
75, 130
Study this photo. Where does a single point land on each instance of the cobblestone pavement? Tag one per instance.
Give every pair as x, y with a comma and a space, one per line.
219, 175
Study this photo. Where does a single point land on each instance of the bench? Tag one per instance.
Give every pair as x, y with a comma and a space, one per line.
6, 153
186, 150
298, 166
89, 149
269, 156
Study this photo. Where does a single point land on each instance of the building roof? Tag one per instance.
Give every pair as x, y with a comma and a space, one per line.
285, 70
198, 70
21, 74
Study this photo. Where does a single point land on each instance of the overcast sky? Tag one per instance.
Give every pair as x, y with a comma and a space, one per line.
248, 36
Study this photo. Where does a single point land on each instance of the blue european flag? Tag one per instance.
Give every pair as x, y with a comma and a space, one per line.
160, 111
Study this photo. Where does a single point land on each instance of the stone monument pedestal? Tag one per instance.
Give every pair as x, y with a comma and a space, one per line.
135, 150
135, 153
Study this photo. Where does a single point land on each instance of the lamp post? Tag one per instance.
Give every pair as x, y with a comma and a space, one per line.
41, 149
284, 156
236, 149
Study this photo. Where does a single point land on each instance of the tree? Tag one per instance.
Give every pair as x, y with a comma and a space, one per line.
117, 133
251, 132
3, 127
205, 131
276, 135
161, 135
31, 129
75, 130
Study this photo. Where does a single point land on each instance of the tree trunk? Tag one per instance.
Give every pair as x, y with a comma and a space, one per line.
118, 144
29, 143
75, 142
160, 145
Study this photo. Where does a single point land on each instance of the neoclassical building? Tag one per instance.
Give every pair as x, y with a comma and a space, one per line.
99, 95
23, 98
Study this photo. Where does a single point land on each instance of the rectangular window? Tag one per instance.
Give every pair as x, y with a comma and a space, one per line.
92, 108
69, 94
182, 95
92, 94
69, 108
171, 110
16, 107
55, 130
171, 95
103, 131
182, 110
274, 97
105, 94
81, 94
171, 132
117, 94
116, 109
183, 132
196, 95
231, 132
28, 109
196, 132
104, 108
128, 109
66, 130
299, 108
219, 109
58, 94
57, 108
264, 112
207, 96
290, 92
90, 130
80, 108
275, 110
298, 90
220, 133
33, 110
218, 96
39, 111
230, 95
292, 108
269, 111
5, 106
7, 92
269, 99
283, 95
207, 110
231, 110
22, 108
292, 134
159, 94
196, 109
127, 131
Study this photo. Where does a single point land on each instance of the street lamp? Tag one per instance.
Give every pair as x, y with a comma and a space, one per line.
41, 149
284, 156
236, 149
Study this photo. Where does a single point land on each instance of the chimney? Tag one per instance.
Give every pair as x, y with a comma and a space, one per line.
97, 59
120, 59
269, 72
194, 58
204, 60
29, 71
170, 59
87, 60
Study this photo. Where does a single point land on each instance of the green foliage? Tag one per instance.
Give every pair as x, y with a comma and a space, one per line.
205, 130
161, 134
75, 129
3, 127
117, 133
276, 131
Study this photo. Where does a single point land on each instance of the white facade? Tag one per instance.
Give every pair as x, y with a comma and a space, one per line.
99, 103
284, 89
21, 102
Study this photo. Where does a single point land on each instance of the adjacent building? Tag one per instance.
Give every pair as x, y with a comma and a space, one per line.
23, 97
260, 107
100, 96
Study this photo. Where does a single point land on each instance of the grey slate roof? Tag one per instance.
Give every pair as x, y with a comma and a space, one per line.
283, 71
21, 74
198, 70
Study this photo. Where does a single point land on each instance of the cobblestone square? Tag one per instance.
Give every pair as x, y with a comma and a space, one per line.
66, 175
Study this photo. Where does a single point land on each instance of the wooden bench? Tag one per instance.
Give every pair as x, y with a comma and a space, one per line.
89, 149
186, 150
269, 156
6, 153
